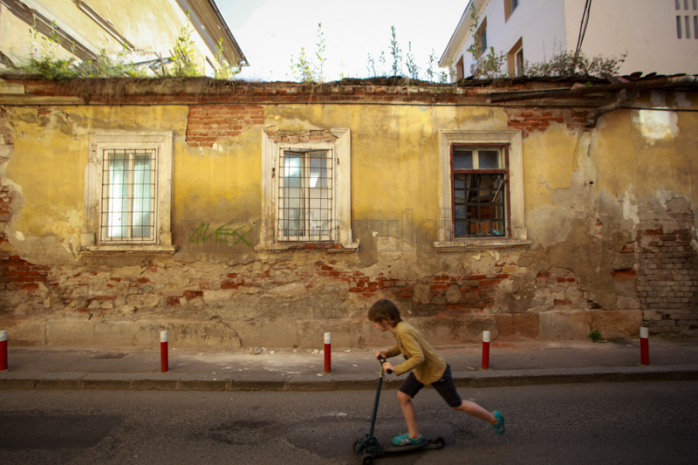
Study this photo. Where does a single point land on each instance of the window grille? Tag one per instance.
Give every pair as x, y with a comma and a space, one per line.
129, 187
480, 193
306, 195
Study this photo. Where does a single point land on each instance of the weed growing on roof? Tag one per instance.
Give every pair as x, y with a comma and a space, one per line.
48, 57
395, 52
567, 64
183, 54
304, 69
223, 70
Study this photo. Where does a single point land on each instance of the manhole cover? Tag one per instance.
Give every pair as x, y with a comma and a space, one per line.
110, 355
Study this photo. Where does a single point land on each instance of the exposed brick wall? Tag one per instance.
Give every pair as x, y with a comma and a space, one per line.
209, 123
18, 274
668, 279
530, 119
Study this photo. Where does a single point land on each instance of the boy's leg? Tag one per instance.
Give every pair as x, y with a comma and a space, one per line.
471, 408
410, 387
447, 389
409, 413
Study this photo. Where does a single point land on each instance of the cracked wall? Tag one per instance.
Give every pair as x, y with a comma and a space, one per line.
591, 198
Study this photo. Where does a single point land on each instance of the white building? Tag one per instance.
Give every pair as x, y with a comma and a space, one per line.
658, 35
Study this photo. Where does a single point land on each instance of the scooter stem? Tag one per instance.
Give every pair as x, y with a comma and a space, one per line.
375, 404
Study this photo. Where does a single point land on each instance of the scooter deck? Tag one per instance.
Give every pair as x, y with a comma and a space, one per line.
438, 443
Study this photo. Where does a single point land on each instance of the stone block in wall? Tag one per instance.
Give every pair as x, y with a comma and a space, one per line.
115, 333
266, 333
24, 332
345, 332
469, 328
449, 330
422, 293
505, 327
617, 324
195, 334
69, 332
568, 325
526, 326
187, 334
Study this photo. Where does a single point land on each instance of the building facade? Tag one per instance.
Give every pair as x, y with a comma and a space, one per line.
145, 31
242, 214
658, 35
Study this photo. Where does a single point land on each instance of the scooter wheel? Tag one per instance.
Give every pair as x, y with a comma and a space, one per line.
366, 459
439, 443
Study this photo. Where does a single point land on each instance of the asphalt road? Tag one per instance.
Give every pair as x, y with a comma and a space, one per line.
609, 423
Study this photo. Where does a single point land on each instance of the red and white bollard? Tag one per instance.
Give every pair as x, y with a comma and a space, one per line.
644, 346
3, 350
328, 352
164, 362
485, 350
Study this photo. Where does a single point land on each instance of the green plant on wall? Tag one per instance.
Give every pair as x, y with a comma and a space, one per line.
595, 336
223, 70
395, 51
412, 68
44, 55
183, 54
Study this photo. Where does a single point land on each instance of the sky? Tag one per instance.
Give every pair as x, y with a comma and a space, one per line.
271, 32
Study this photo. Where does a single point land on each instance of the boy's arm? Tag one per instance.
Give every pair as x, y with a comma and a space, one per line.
393, 351
416, 355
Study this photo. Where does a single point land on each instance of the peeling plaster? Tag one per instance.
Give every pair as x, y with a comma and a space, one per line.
656, 125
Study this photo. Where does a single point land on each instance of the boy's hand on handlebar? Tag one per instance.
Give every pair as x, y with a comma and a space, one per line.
379, 354
387, 366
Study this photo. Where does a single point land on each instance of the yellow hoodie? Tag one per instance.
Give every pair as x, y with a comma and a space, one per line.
420, 356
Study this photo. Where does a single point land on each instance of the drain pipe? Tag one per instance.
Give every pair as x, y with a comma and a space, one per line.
596, 113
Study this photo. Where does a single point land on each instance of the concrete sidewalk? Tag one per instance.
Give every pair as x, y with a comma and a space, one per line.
511, 364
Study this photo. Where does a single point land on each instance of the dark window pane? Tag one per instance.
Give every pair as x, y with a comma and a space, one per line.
462, 159
489, 159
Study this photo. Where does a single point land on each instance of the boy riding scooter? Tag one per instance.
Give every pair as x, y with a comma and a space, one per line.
425, 367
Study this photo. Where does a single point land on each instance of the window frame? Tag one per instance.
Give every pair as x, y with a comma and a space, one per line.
272, 151
306, 237
92, 239
512, 140
503, 156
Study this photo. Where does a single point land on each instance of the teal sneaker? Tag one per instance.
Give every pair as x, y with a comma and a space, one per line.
499, 427
406, 440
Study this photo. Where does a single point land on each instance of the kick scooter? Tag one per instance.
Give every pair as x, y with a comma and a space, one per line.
368, 447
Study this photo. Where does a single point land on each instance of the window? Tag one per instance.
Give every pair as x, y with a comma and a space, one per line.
128, 193
460, 69
306, 183
305, 195
509, 7
482, 34
519, 62
481, 194
129, 185
515, 59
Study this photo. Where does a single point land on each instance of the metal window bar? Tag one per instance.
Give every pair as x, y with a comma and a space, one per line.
306, 196
480, 194
129, 187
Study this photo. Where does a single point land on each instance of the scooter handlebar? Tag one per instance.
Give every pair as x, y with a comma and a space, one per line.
382, 360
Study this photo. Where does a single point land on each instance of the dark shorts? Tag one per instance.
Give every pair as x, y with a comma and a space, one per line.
443, 386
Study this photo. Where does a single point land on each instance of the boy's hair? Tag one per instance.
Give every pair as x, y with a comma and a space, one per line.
384, 310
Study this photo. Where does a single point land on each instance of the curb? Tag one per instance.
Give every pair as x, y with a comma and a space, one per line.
310, 383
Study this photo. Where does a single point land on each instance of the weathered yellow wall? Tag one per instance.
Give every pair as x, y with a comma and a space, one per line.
589, 196
395, 161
